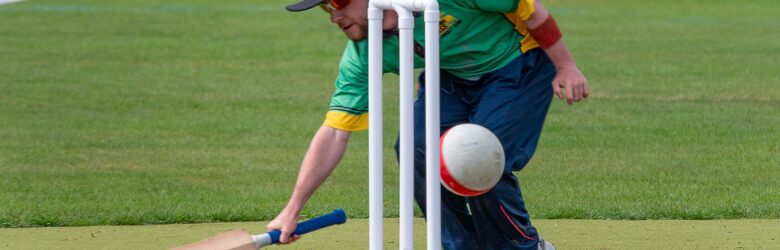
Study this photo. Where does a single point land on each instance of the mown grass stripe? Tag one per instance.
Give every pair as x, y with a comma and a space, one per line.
158, 8
135, 114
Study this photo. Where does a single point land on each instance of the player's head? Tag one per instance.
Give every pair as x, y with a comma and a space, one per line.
349, 15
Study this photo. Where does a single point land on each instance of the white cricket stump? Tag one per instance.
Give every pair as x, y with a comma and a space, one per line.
404, 9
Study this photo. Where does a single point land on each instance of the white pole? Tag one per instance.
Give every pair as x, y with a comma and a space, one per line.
406, 74
375, 206
432, 128
432, 125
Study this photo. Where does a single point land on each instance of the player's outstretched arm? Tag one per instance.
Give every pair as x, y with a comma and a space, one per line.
546, 32
325, 151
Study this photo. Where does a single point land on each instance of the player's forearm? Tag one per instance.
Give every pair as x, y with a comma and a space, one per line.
324, 153
559, 55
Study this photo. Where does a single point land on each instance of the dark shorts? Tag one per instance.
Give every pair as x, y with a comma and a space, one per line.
512, 102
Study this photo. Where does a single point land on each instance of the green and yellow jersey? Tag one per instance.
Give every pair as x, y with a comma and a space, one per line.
477, 36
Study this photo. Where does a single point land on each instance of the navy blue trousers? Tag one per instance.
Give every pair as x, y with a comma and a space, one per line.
512, 102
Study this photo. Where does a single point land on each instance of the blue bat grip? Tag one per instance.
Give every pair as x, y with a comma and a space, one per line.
332, 218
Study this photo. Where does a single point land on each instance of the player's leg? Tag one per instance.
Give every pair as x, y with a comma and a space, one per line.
457, 225
513, 104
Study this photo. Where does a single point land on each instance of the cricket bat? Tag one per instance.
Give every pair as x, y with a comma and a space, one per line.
240, 239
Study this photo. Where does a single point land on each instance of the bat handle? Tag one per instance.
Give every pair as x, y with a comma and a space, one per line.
332, 218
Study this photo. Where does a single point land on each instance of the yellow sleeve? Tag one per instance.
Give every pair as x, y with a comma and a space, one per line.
524, 10
346, 122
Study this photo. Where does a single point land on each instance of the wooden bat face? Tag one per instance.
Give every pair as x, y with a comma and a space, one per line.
238, 239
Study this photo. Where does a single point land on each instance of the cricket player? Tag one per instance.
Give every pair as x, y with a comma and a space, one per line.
501, 63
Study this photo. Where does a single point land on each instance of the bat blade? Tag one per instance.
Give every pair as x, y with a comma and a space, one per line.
238, 239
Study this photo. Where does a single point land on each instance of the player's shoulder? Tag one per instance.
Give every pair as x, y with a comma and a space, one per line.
480, 6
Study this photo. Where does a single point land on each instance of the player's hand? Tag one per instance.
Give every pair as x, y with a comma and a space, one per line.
571, 79
285, 222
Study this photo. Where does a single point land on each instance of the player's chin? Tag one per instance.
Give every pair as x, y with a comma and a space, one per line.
355, 34
356, 38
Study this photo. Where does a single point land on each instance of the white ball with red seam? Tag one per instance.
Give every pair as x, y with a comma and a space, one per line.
472, 159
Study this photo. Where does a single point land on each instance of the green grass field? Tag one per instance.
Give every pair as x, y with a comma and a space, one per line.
153, 112
565, 234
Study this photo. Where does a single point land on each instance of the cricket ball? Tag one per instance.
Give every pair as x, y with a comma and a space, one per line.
472, 159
